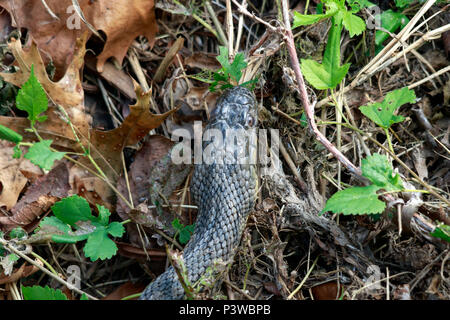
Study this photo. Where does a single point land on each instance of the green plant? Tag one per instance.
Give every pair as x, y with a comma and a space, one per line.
229, 75
32, 99
45, 293
73, 222
442, 231
329, 73
183, 232
364, 200
382, 113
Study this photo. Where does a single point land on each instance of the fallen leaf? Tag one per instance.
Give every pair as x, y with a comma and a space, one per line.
22, 272
40, 196
121, 21
12, 181
326, 291
125, 290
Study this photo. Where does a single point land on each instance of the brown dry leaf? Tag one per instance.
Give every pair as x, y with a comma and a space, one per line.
204, 61
107, 146
22, 272
125, 290
152, 176
326, 291
39, 198
134, 252
12, 181
121, 21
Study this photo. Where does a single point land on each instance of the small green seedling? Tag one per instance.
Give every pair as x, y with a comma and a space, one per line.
364, 200
230, 74
32, 99
184, 232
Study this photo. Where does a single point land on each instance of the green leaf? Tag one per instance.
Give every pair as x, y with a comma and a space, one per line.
41, 155
84, 297
403, 3
382, 113
230, 72
54, 222
32, 98
42, 293
307, 19
116, 229
99, 246
379, 171
391, 21
9, 135
328, 74
354, 24
184, 232
442, 231
355, 200
73, 209
18, 233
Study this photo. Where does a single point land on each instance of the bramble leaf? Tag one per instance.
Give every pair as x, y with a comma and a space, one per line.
382, 113
72, 209
355, 200
379, 171
42, 293
32, 98
41, 155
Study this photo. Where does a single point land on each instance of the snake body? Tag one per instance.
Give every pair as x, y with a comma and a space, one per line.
224, 193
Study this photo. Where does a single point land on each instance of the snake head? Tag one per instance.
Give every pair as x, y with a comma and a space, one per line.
237, 108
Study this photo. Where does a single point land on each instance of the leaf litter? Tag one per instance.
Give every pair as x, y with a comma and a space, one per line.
286, 241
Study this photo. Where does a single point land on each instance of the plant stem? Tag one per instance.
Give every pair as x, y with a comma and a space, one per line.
388, 137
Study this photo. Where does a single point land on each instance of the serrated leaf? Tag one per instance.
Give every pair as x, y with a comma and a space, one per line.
41, 155
73, 209
116, 229
42, 293
99, 246
330, 73
32, 98
379, 171
9, 135
354, 24
382, 113
355, 200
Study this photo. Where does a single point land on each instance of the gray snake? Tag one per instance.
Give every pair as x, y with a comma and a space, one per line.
224, 193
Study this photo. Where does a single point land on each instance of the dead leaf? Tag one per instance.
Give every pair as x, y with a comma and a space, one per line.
121, 21
106, 146
12, 181
39, 198
22, 272
125, 290
204, 61
326, 291
152, 177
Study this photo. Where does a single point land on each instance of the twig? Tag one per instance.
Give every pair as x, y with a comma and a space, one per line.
220, 34
60, 280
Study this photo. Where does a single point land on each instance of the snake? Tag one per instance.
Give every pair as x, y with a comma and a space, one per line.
224, 192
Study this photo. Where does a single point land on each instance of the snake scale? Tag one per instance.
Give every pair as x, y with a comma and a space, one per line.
224, 193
